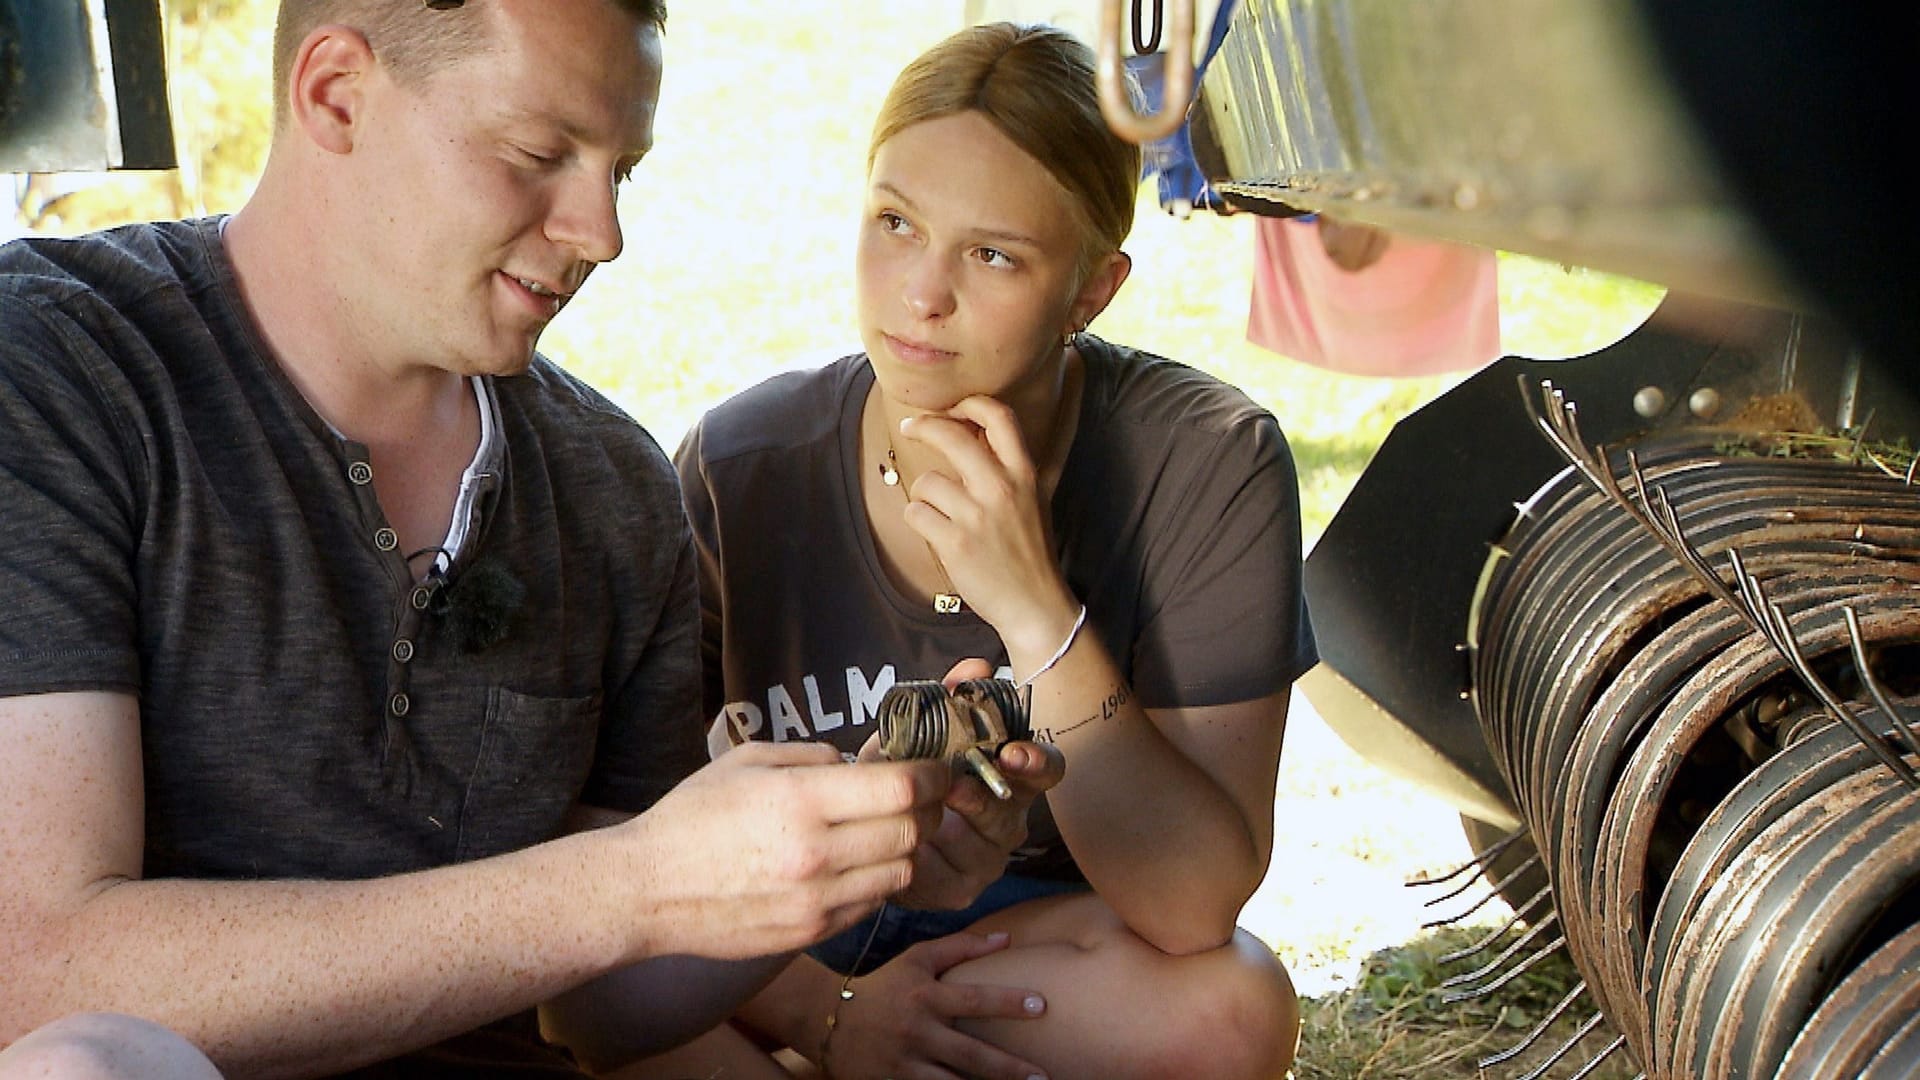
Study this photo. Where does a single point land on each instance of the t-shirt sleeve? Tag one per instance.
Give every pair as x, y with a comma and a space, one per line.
659, 745
71, 513
702, 517
1225, 617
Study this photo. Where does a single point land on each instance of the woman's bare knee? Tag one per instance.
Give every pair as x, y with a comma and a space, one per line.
1240, 1018
104, 1046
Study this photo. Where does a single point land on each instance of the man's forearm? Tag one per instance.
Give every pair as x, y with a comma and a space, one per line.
653, 1006
311, 978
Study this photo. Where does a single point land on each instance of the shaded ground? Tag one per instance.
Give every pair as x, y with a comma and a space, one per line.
1337, 910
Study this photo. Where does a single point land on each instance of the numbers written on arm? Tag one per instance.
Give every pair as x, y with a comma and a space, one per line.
1110, 706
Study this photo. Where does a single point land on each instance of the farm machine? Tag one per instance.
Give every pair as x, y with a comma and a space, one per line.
1648, 618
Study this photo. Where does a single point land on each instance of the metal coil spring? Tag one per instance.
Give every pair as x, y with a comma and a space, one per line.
922, 720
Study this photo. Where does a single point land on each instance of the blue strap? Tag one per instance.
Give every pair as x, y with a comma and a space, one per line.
1181, 184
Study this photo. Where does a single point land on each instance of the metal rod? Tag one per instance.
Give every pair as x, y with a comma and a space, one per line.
1895, 714
1784, 641
1540, 1029
1480, 858
1488, 968
1508, 880
1482, 902
1549, 950
1585, 1030
1532, 902
1606, 1052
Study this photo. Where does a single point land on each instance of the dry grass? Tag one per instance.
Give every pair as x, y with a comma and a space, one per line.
1393, 1025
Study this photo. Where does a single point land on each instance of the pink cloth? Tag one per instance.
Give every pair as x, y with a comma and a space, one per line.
1423, 308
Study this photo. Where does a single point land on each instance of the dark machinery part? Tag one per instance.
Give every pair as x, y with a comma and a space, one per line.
83, 87
1658, 745
1392, 580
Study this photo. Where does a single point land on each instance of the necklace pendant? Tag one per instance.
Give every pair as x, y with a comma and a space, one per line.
889, 475
946, 603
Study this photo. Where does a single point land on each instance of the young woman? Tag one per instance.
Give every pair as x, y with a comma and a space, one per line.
1115, 531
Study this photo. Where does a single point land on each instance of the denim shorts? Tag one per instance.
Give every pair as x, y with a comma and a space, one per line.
899, 929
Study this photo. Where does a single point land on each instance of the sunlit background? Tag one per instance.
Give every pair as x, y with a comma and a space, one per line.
739, 232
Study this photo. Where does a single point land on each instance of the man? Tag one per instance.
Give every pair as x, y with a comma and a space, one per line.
345, 638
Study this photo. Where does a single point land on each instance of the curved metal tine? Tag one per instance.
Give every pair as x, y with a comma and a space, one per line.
1557, 419
1562, 424
1540, 1029
1606, 1052
1531, 861
1479, 860
1531, 903
1512, 974
1859, 727
1872, 683
1585, 1030
1753, 598
1668, 528
1487, 969
1779, 633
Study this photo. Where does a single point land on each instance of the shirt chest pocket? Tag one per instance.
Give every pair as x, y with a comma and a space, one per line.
535, 756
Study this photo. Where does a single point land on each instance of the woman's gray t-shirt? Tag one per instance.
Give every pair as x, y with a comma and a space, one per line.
1177, 516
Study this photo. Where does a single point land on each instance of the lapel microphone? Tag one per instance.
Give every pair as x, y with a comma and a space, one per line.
478, 606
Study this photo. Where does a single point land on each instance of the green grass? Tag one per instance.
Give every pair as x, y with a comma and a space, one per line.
1393, 1024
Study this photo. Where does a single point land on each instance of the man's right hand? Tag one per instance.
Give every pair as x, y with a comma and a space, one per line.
772, 848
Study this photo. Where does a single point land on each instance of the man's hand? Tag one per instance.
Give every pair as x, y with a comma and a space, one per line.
772, 848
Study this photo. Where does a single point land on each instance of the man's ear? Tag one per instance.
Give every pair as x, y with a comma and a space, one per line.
1101, 285
325, 83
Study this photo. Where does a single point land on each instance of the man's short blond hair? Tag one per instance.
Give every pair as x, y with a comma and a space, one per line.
411, 37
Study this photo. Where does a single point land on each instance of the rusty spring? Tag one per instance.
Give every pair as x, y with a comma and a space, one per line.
966, 727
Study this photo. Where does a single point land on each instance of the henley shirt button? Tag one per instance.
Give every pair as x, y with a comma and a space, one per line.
399, 704
422, 596
403, 650
386, 539
360, 472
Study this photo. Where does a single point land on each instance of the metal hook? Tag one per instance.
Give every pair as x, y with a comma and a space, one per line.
1176, 79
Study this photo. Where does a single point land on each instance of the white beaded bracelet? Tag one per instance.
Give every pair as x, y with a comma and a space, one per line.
1078, 621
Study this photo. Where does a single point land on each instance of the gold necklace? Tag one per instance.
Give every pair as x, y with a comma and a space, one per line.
944, 603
